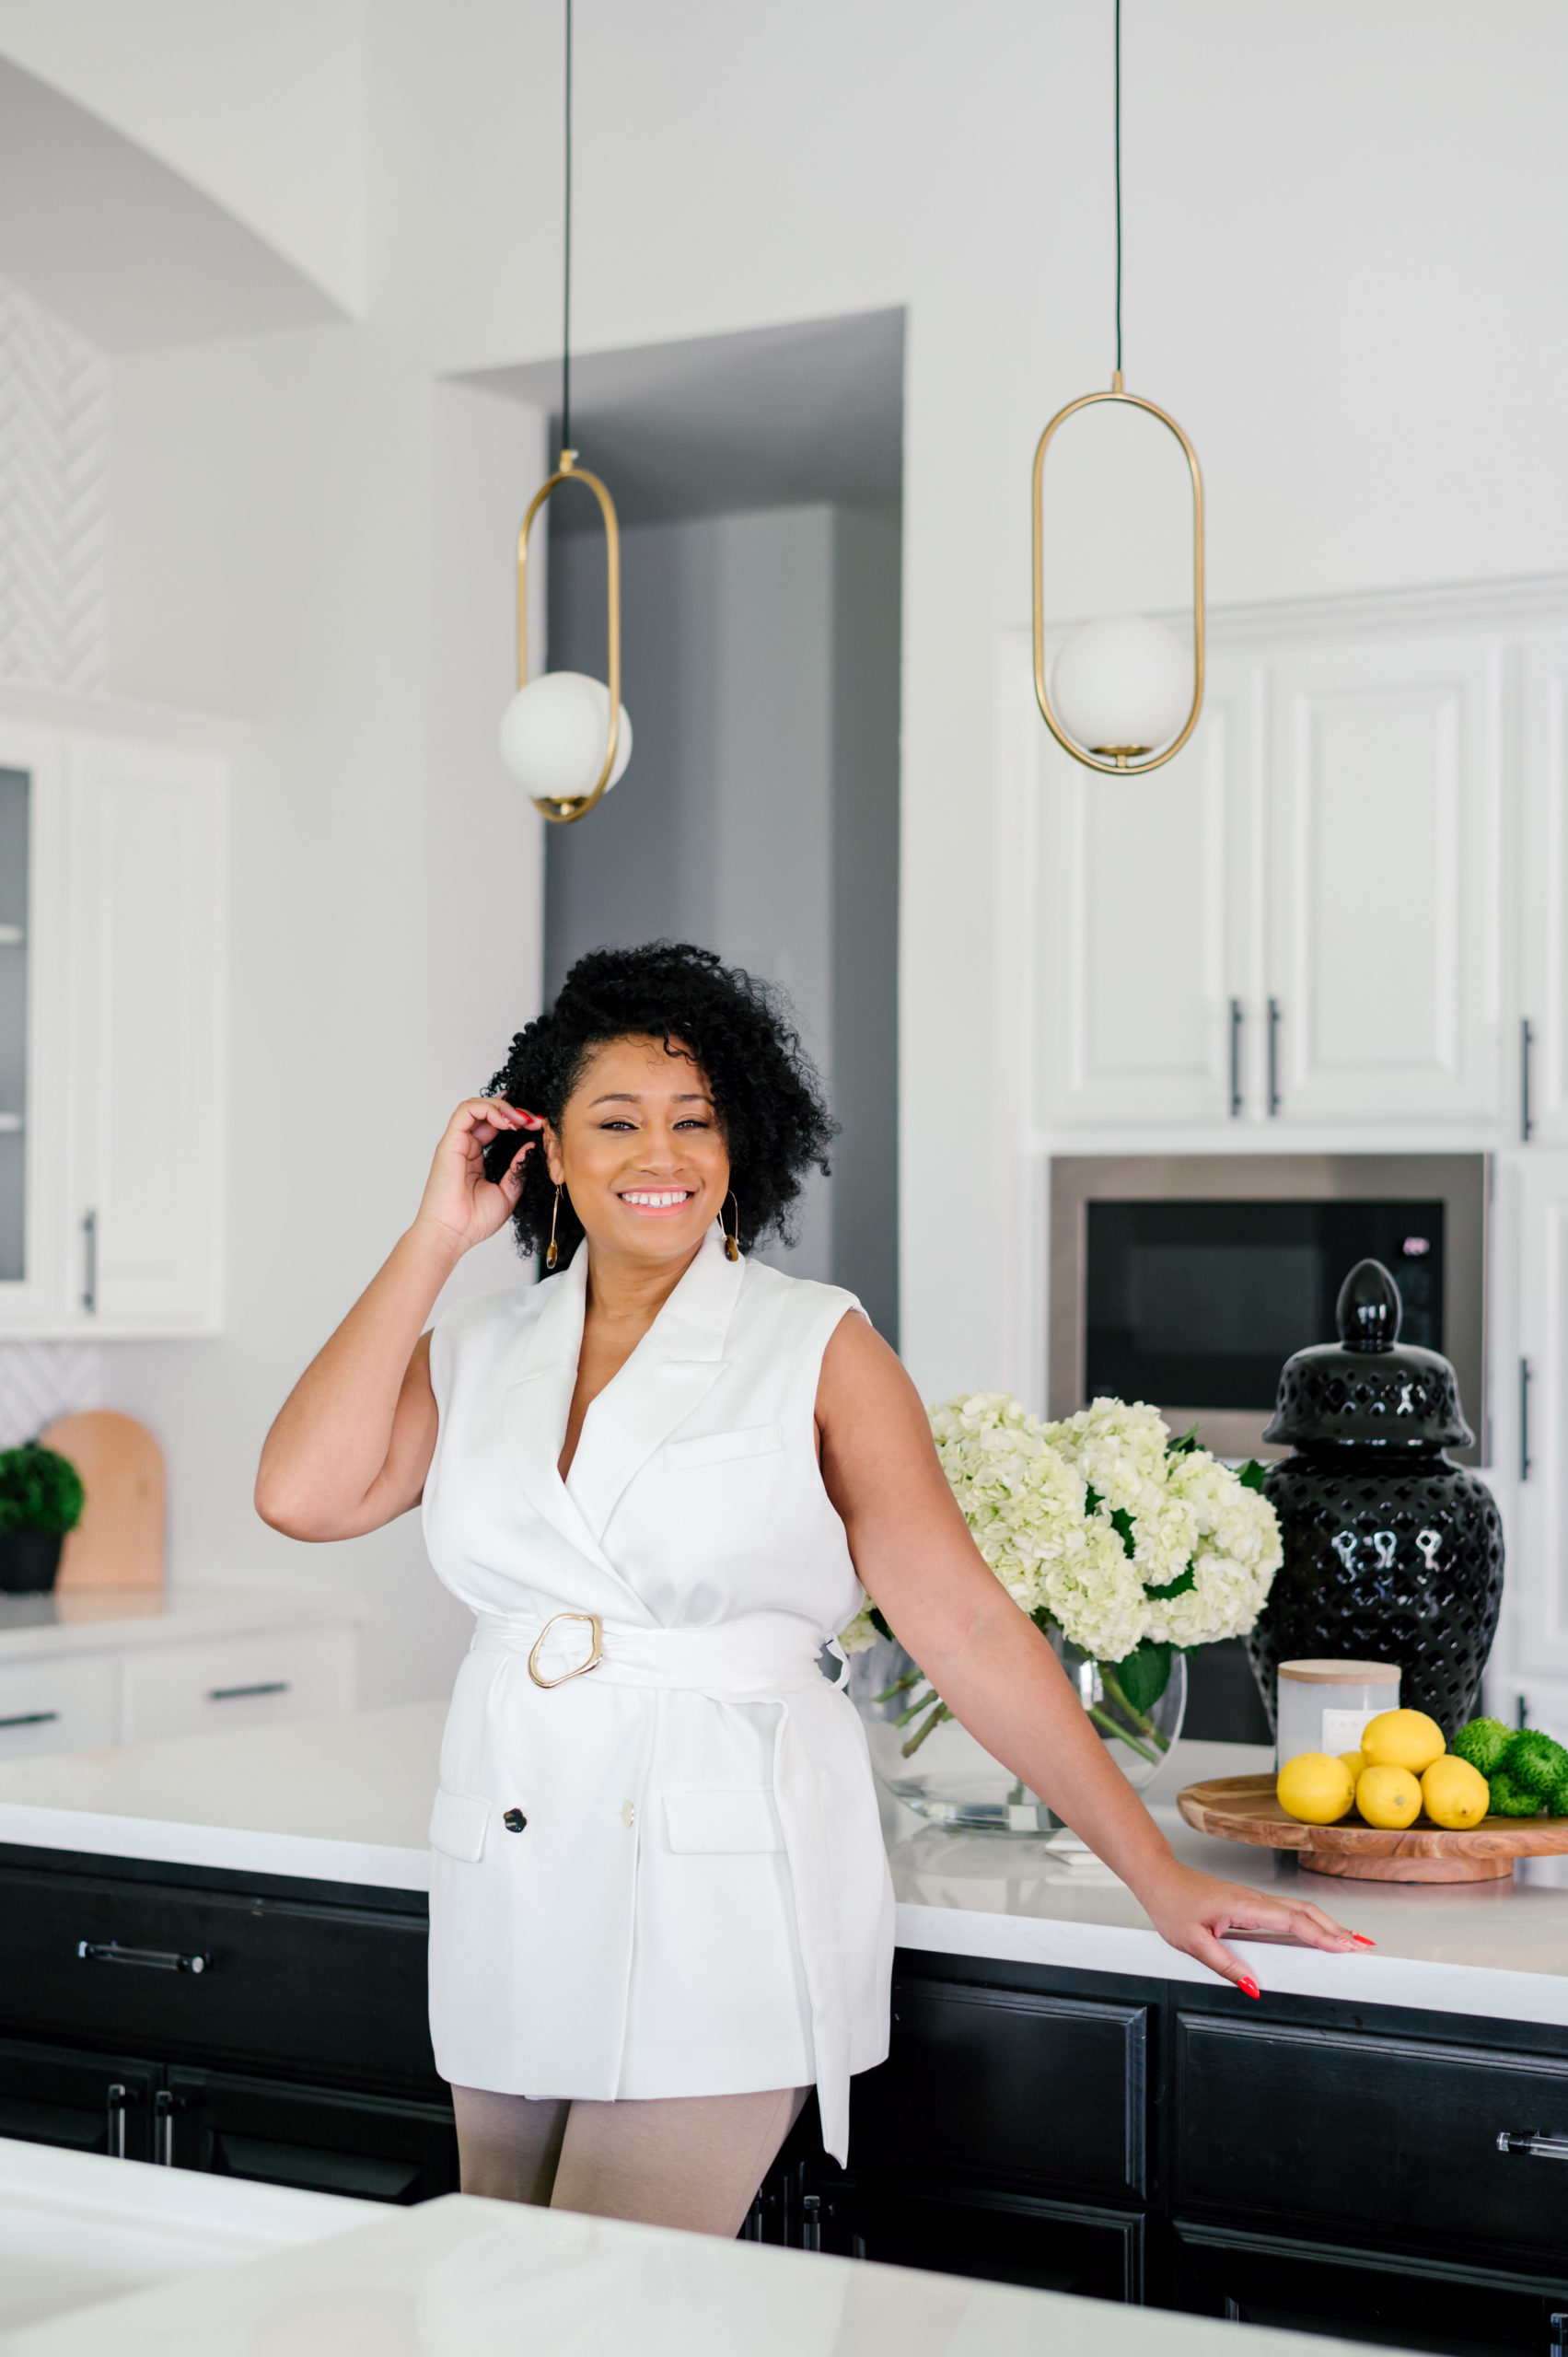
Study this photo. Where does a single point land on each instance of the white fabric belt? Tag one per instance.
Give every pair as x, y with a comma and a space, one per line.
760, 1657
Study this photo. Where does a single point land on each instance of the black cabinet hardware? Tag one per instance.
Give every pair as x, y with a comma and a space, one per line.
1539, 2147
89, 1262
239, 1693
1558, 2327
153, 1959
165, 2106
29, 1719
115, 2110
1526, 1041
1237, 1019
1524, 1420
1273, 1057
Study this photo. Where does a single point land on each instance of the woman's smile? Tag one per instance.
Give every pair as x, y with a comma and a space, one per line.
657, 1201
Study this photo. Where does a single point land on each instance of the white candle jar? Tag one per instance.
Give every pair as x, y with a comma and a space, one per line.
1325, 1705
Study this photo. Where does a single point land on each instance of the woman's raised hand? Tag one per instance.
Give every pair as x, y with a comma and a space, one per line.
458, 1200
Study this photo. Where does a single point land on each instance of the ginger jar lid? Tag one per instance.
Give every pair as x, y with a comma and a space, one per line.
1368, 1389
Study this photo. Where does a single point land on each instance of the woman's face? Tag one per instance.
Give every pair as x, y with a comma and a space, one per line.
641, 1152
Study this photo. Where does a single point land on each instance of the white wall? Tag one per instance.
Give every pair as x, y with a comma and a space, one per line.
305, 531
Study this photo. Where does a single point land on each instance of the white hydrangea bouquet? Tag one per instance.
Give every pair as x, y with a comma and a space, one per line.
1133, 1544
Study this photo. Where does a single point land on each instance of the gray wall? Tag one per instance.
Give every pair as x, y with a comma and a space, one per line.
758, 815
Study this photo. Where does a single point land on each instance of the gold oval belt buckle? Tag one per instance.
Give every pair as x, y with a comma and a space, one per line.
596, 1650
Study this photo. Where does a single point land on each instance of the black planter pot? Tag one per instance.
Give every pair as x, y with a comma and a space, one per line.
1391, 1552
29, 1561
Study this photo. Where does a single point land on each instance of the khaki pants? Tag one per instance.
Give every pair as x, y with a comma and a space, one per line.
692, 2161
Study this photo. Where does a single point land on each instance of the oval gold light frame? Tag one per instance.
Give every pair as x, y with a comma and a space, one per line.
563, 813
1120, 764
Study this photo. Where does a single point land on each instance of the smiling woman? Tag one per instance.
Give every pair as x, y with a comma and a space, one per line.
663, 1480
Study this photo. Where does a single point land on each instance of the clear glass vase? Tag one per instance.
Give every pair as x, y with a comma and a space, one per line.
947, 1777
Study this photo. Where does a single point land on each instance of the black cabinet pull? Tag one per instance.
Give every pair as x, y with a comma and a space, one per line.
165, 2106
116, 2100
1526, 1041
29, 1719
1524, 1420
238, 1693
1534, 2143
1273, 1057
1557, 2326
811, 2225
153, 1959
89, 1262
1237, 1017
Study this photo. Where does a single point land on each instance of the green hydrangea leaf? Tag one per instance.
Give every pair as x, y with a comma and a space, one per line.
1250, 1475
1181, 1585
1144, 1673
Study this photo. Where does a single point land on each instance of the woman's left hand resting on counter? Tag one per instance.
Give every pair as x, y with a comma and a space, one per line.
991, 1665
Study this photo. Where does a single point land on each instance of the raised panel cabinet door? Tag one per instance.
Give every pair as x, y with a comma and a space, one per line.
903, 2220
1009, 2086
147, 1033
1385, 816
1544, 978
1537, 1603
83, 2102
325, 2139
1144, 902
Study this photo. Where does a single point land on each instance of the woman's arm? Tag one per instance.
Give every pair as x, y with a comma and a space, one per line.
990, 1664
353, 1442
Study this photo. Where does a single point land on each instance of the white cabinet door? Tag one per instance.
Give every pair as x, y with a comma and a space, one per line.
33, 1097
1537, 1569
1385, 819
1147, 895
145, 1169
237, 1682
1543, 979
64, 1704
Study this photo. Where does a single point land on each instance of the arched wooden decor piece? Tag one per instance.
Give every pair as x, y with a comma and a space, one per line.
1119, 765
576, 806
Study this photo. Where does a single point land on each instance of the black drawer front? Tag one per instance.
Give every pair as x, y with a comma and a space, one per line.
1299, 2287
88, 2103
1011, 2086
1371, 2133
337, 1988
374, 2149
1054, 2246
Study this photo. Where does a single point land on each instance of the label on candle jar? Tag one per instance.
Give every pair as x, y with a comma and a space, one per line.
1343, 1730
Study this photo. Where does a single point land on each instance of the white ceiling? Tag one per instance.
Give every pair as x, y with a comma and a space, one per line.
776, 417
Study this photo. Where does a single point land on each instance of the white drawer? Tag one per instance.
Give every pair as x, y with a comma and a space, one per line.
236, 1682
66, 1704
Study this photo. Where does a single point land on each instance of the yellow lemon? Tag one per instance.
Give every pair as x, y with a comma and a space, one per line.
1388, 1796
1355, 1761
1454, 1793
1315, 1788
1402, 1739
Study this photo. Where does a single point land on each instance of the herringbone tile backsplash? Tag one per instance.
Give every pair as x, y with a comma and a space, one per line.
53, 534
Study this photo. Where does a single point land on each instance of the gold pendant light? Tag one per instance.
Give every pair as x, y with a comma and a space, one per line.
1122, 684
565, 737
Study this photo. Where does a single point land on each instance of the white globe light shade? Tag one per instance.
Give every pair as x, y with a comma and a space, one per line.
553, 734
1122, 685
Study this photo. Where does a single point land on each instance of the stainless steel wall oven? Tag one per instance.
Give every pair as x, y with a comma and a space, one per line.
1188, 1279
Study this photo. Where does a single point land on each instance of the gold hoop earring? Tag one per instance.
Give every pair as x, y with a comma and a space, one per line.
554, 1253
732, 1243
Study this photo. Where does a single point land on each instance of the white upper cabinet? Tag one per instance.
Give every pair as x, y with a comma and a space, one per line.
1146, 886
1384, 815
112, 1211
1543, 980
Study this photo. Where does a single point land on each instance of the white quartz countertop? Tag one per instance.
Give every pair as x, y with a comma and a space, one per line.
347, 1800
465, 2277
88, 1619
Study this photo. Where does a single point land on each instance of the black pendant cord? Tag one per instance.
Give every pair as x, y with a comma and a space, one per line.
1117, 183
567, 260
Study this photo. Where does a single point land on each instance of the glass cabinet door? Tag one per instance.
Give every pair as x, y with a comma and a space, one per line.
14, 871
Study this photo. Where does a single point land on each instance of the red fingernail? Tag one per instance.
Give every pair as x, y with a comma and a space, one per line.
1362, 1940
1249, 1988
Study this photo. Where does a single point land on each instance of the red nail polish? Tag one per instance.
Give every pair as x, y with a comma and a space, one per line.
1249, 1988
1362, 1940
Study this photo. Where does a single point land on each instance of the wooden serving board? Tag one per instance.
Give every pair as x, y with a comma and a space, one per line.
119, 1541
1243, 1808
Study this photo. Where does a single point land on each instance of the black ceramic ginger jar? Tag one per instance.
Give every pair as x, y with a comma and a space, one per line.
1391, 1552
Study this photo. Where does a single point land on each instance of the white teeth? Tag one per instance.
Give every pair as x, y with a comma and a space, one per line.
658, 1203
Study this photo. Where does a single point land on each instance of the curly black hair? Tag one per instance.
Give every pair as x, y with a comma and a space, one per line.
740, 1030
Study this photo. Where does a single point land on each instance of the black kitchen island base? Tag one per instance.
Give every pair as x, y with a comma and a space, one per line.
1322, 2167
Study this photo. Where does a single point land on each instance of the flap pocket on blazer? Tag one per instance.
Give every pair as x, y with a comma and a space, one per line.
717, 1448
734, 1816
456, 1826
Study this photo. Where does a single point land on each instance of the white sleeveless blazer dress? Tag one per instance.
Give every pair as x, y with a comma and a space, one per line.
664, 1875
